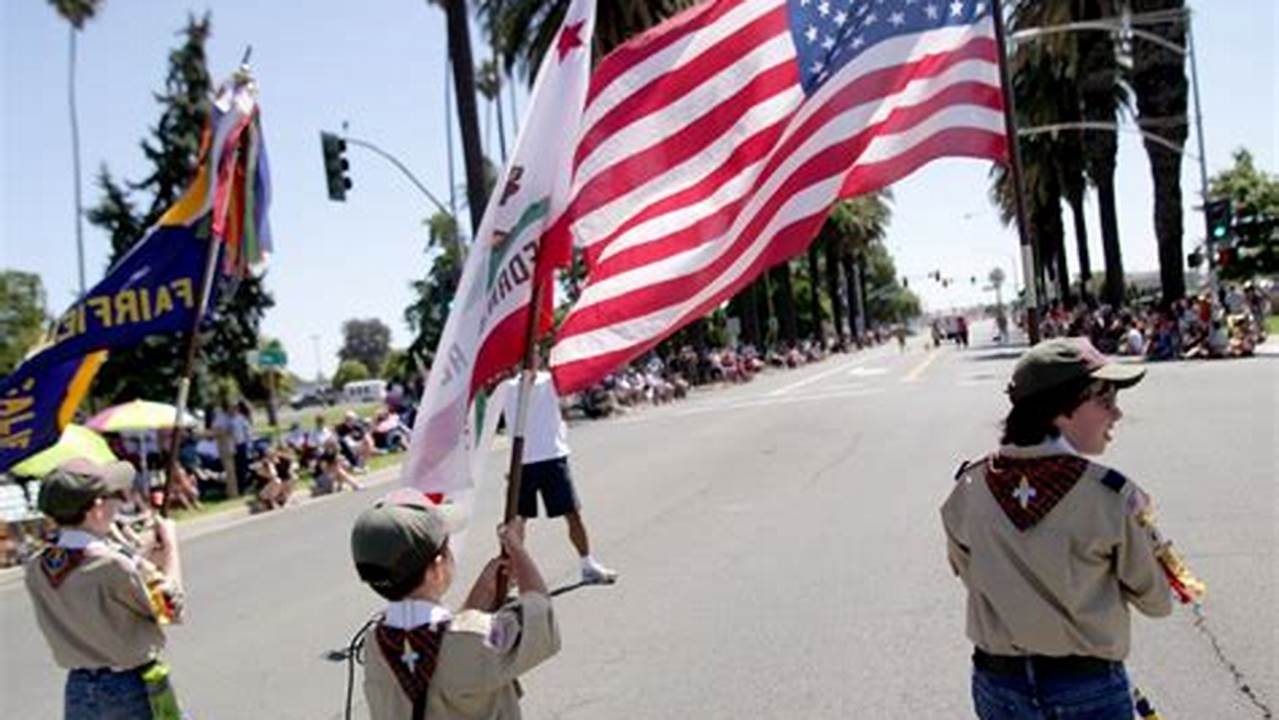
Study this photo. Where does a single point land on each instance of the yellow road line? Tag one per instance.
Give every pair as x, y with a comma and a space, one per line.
919, 369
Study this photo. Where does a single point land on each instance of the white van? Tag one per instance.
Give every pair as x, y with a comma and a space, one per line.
364, 391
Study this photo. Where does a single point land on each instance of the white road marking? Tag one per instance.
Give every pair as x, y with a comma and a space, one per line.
814, 378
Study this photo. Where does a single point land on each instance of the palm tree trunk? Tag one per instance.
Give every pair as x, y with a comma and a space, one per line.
784, 303
832, 289
1113, 293
814, 295
1165, 168
1081, 245
1162, 90
75, 156
459, 36
852, 289
448, 133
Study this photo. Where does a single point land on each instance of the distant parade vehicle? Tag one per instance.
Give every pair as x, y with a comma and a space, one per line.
364, 391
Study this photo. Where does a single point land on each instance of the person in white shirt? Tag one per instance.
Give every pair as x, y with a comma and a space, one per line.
545, 469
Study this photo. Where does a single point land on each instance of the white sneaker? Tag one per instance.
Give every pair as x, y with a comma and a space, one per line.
597, 574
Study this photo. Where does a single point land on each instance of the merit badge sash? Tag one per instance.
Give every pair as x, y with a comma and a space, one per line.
1027, 489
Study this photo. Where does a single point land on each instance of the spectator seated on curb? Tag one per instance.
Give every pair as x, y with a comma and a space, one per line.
331, 473
389, 434
355, 441
274, 475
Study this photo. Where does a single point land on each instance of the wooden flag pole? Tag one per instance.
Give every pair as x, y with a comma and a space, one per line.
515, 471
193, 337
188, 368
1019, 190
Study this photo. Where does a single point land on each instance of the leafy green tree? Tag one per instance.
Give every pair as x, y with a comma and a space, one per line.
433, 294
1254, 194
22, 316
151, 369
368, 341
349, 371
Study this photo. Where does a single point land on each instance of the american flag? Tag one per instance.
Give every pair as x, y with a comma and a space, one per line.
713, 146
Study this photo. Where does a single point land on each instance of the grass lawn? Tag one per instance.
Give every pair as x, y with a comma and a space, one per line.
213, 507
306, 417
1272, 325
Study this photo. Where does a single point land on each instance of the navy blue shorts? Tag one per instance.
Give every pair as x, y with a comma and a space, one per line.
551, 480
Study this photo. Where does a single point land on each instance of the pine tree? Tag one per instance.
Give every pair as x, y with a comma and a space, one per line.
151, 369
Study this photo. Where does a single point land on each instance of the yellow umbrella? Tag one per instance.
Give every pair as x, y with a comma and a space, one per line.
77, 441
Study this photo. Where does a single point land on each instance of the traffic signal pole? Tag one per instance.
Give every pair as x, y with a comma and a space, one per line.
1019, 188
1203, 154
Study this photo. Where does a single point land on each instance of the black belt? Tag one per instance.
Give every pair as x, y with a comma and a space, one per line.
1043, 666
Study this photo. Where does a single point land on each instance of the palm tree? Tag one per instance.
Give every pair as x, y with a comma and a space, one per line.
1159, 82
1099, 78
75, 12
459, 39
814, 292
854, 225
488, 82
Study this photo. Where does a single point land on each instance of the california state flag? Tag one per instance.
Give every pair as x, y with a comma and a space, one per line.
487, 326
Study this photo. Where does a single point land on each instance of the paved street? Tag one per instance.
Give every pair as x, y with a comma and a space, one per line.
780, 551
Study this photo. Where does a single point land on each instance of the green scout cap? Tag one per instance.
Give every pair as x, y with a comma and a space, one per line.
1055, 362
394, 541
75, 484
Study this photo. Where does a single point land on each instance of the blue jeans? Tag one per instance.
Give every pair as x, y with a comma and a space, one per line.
1104, 696
106, 695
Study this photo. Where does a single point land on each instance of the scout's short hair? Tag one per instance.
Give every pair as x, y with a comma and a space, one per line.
1030, 423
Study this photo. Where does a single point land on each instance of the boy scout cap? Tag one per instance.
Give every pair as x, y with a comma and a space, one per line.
1055, 362
396, 539
75, 484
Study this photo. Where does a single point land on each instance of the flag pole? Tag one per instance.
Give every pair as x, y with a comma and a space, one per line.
515, 471
188, 368
193, 337
1019, 189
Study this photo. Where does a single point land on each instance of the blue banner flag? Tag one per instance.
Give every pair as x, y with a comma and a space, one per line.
37, 402
152, 291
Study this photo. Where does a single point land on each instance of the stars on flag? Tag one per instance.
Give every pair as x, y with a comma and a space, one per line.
833, 32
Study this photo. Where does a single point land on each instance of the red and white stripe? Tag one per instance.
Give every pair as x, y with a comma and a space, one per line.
700, 162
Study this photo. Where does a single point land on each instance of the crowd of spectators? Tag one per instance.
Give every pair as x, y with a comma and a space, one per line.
1228, 323
657, 380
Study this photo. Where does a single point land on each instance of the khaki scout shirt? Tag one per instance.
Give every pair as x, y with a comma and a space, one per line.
481, 655
100, 615
1063, 585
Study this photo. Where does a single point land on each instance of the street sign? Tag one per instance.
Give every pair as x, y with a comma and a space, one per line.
272, 355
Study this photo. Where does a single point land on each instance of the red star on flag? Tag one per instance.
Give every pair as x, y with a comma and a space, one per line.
570, 37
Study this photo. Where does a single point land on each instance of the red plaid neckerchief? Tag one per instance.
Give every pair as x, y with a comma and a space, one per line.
1029, 488
412, 655
57, 563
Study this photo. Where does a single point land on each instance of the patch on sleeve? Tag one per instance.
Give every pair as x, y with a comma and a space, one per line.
505, 631
1113, 480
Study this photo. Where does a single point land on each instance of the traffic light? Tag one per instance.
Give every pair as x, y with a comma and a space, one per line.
335, 165
1217, 214
1225, 257
905, 281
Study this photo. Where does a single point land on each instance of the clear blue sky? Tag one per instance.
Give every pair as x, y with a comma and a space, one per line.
380, 66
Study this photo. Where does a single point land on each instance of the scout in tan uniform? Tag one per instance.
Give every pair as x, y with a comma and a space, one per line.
423, 661
1054, 548
100, 602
